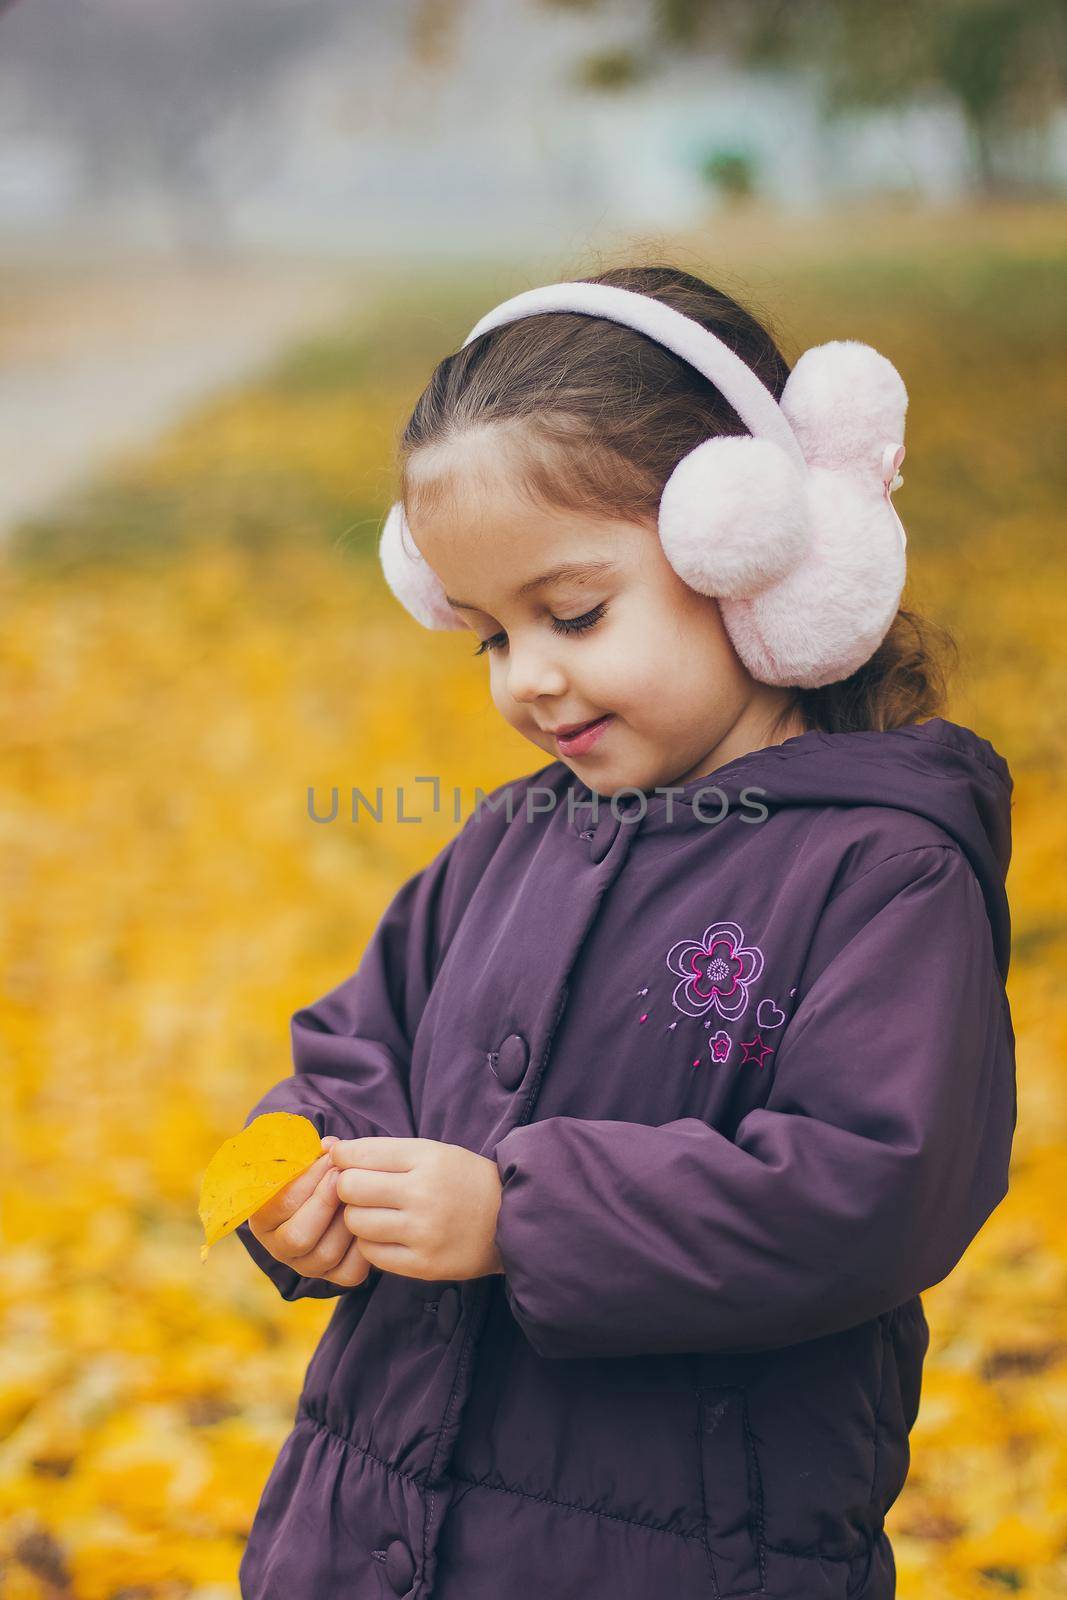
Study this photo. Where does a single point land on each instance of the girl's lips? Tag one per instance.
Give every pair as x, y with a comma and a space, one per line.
576, 744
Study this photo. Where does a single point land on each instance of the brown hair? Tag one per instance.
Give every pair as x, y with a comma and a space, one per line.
599, 416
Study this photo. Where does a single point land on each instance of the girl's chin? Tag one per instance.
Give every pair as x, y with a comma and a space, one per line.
609, 778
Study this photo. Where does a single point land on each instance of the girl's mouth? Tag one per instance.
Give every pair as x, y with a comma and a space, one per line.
576, 744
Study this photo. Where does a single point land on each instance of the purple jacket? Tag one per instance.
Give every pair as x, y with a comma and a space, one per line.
743, 1055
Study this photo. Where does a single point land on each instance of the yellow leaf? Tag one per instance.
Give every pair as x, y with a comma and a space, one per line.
248, 1169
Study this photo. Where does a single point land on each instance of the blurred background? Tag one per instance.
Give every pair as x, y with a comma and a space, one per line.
234, 239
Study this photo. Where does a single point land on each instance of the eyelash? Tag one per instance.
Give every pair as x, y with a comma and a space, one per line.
588, 619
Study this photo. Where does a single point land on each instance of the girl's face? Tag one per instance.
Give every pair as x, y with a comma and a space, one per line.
585, 620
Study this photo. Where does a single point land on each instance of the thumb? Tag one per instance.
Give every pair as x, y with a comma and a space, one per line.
329, 1140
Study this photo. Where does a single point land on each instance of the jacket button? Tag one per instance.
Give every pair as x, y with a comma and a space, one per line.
447, 1312
604, 836
511, 1059
399, 1567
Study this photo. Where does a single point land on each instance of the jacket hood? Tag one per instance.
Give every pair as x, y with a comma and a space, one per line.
936, 769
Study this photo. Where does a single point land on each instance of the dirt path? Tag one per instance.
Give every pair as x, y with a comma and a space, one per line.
94, 361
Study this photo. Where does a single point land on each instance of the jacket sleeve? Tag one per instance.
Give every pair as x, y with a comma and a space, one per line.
352, 1048
881, 1148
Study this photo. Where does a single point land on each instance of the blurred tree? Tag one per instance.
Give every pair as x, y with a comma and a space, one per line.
731, 169
608, 70
1002, 62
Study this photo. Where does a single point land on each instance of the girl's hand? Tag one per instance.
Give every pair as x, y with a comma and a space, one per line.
420, 1208
304, 1227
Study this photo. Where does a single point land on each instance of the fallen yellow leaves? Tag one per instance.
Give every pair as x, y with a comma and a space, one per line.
247, 1170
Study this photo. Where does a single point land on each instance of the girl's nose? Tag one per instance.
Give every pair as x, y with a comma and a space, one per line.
533, 673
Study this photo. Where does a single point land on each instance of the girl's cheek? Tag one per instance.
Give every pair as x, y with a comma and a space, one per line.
507, 707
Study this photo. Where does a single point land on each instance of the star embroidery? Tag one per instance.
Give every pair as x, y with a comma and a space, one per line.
755, 1050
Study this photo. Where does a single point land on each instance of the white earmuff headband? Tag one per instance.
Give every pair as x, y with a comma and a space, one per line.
791, 527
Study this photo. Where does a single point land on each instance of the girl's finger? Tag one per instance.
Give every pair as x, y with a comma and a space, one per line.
353, 1268
303, 1230
378, 1151
330, 1251
379, 1225
399, 1259
359, 1186
283, 1205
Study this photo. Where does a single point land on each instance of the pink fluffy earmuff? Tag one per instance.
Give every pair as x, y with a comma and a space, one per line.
790, 527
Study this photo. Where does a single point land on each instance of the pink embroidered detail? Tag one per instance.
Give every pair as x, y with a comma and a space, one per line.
716, 971
768, 1015
755, 1051
720, 1045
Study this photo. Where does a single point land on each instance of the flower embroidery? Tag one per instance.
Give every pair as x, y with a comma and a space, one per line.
720, 1045
716, 971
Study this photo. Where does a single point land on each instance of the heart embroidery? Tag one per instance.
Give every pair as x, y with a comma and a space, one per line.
768, 1015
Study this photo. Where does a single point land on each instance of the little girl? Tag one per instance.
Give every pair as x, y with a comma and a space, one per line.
663, 1091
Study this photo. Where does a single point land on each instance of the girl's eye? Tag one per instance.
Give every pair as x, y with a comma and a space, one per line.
490, 644
588, 619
